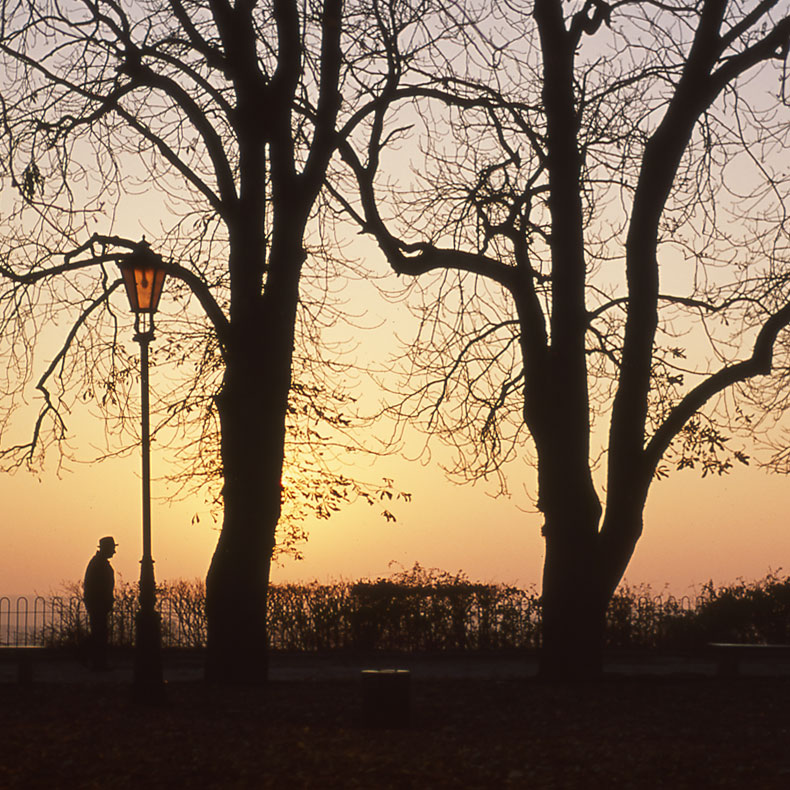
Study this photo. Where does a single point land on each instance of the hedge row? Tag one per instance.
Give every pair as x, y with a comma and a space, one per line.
428, 610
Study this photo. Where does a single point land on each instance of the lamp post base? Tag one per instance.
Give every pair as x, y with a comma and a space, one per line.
149, 685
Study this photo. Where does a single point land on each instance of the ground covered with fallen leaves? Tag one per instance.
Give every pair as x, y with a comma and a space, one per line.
671, 732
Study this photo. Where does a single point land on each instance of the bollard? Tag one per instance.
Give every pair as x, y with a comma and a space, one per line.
386, 696
25, 668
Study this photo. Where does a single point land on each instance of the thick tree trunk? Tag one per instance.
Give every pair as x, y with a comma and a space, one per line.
582, 569
573, 606
252, 420
252, 407
236, 589
572, 639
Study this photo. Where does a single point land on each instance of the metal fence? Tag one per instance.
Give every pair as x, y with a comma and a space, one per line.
58, 621
316, 617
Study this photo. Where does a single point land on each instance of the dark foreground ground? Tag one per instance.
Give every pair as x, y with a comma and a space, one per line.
468, 730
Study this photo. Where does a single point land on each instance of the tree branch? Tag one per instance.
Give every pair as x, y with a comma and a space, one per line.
196, 285
197, 117
759, 364
212, 55
324, 138
49, 406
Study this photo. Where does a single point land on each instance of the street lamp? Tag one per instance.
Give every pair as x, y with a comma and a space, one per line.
144, 275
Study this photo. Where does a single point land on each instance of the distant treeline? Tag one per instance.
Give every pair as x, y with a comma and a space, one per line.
430, 610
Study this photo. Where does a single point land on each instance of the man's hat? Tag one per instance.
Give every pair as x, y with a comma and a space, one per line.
108, 541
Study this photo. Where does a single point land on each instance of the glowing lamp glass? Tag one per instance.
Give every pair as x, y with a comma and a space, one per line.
143, 276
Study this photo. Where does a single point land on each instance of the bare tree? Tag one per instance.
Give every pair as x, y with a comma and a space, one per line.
600, 223
218, 122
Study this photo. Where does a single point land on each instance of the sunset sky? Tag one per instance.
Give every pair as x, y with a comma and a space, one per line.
696, 529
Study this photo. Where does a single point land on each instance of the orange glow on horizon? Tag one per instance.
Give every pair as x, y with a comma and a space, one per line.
695, 529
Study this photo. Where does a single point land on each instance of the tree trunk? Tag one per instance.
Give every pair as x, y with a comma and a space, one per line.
253, 425
573, 608
236, 591
582, 569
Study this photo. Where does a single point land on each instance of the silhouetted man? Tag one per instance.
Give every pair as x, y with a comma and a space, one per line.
98, 596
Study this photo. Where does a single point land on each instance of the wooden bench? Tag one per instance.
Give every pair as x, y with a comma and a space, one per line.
730, 654
24, 656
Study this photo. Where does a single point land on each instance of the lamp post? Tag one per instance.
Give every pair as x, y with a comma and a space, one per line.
144, 275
